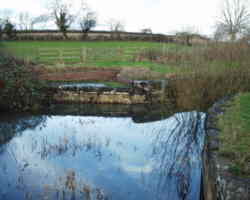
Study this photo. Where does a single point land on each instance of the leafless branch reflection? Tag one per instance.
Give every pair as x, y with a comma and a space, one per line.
177, 152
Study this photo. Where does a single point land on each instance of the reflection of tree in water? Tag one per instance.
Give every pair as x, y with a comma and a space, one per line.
68, 144
10, 127
174, 154
177, 153
66, 186
71, 186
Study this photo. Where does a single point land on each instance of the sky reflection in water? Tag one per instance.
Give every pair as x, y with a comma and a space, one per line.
77, 157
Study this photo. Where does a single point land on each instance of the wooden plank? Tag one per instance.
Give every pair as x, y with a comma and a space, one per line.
54, 54
73, 57
49, 58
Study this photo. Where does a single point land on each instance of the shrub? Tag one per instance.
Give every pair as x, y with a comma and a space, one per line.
10, 30
1, 29
200, 89
20, 90
150, 54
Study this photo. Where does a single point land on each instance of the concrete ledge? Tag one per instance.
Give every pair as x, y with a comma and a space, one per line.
103, 98
107, 95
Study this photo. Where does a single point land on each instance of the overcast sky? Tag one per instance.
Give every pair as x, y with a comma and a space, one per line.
162, 16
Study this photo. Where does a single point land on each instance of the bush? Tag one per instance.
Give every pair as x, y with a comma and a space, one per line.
150, 54
198, 90
10, 30
1, 30
20, 89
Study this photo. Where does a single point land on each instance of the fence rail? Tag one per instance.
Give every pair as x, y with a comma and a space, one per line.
84, 55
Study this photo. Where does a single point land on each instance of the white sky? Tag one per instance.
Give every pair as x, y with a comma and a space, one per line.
162, 16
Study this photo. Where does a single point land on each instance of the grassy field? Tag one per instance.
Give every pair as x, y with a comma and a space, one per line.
235, 134
98, 54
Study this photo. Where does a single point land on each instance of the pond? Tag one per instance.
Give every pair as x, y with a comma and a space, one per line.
73, 157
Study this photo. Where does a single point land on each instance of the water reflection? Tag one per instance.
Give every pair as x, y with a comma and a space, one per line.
11, 126
178, 156
94, 158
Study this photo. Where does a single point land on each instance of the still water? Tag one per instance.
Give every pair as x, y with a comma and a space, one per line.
101, 158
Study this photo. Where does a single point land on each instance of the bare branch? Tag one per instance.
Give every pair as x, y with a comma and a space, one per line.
234, 18
62, 15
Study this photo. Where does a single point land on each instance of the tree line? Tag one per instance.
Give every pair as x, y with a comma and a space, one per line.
61, 14
232, 23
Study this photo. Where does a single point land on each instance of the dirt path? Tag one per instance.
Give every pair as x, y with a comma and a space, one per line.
123, 75
81, 76
88, 74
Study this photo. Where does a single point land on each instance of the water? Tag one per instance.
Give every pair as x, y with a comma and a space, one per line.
96, 158
79, 85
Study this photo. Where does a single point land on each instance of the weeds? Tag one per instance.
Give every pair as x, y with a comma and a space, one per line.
200, 89
235, 134
20, 89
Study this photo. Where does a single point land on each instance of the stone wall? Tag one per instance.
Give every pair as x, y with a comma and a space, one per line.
106, 95
219, 182
92, 36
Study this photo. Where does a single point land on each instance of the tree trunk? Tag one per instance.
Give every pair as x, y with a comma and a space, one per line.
233, 37
65, 37
84, 35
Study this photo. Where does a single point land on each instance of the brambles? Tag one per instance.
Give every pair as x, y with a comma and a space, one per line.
20, 89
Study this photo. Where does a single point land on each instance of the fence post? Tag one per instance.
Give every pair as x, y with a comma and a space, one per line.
163, 90
119, 54
61, 56
27, 60
36, 50
163, 49
83, 55
38, 55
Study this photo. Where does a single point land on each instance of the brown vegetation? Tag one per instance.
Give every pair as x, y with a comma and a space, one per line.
210, 74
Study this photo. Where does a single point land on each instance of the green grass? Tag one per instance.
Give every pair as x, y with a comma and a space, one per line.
235, 134
152, 66
100, 54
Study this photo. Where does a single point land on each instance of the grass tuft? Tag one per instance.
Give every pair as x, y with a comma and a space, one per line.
235, 134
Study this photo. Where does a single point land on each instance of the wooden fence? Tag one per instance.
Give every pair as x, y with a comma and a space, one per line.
84, 55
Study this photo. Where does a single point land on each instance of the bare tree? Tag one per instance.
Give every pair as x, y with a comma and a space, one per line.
186, 35
147, 31
1, 28
40, 20
219, 34
234, 18
62, 15
9, 29
25, 21
87, 19
6, 14
87, 23
115, 26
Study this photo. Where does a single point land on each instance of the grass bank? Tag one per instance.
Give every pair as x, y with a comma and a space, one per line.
235, 134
